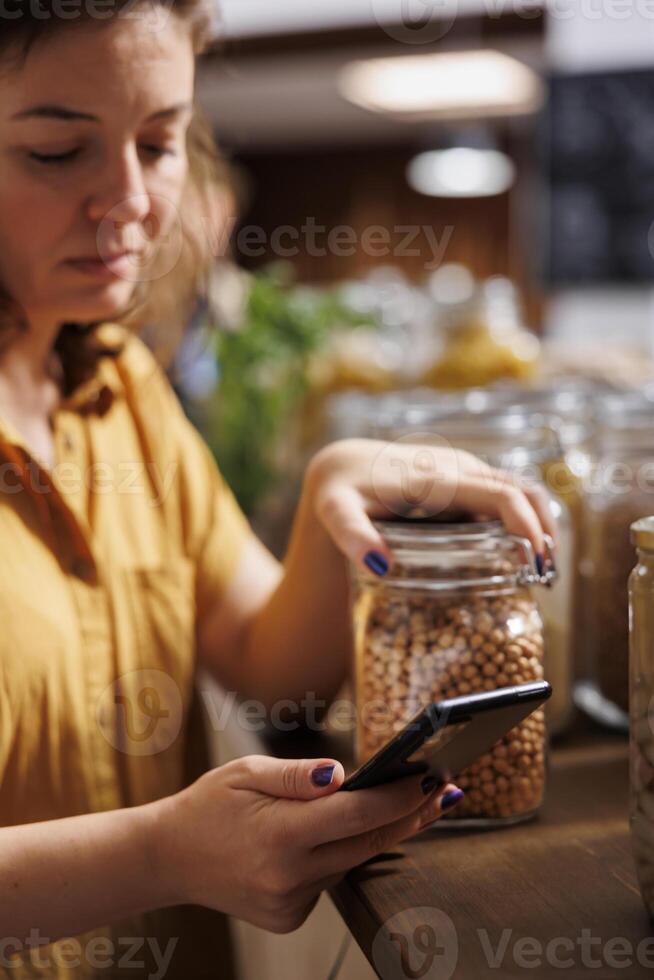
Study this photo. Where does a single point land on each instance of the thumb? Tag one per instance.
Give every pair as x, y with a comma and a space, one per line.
343, 514
290, 779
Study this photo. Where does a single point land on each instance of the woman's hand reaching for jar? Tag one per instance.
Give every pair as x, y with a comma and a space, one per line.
355, 481
294, 635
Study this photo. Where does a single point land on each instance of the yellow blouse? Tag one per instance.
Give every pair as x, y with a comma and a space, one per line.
109, 562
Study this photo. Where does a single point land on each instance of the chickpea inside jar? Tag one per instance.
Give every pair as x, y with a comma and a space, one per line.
454, 616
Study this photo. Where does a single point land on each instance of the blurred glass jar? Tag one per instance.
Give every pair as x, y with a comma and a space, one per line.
641, 600
355, 414
526, 446
619, 492
454, 616
569, 408
485, 335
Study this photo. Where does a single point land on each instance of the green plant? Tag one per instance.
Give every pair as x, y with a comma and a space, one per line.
263, 378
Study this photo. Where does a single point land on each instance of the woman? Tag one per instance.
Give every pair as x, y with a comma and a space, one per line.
126, 562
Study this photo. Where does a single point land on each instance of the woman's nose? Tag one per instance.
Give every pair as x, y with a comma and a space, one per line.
120, 193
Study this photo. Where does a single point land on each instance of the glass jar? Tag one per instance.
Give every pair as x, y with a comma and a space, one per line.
486, 337
569, 408
455, 615
641, 602
525, 445
619, 492
565, 478
354, 413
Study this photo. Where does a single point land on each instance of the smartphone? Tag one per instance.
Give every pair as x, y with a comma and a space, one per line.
448, 736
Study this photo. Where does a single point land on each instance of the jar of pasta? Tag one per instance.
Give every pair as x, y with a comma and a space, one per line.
486, 339
641, 599
619, 492
455, 615
525, 445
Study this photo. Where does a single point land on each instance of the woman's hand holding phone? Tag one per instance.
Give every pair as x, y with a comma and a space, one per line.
260, 838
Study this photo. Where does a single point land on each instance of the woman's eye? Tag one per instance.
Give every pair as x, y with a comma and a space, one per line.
54, 158
158, 151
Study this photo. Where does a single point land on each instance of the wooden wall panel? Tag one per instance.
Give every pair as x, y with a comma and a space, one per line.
361, 188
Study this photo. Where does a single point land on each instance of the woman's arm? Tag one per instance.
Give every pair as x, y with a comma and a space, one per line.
284, 633
258, 838
97, 865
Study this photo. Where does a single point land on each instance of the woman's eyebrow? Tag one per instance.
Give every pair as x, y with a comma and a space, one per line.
62, 112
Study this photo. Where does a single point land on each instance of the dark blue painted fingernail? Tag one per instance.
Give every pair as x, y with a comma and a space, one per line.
540, 564
376, 562
429, 784
451, 799
322, 776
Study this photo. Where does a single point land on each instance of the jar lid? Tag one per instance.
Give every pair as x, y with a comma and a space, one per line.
642, 533
410, 531
452, 551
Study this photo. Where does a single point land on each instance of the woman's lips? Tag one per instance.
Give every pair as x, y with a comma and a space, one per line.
120, 266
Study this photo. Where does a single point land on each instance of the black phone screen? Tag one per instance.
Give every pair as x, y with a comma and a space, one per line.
450, 735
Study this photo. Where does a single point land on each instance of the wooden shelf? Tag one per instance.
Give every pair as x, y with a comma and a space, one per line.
567, 880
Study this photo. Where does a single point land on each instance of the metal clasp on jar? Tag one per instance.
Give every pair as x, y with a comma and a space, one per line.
530, 574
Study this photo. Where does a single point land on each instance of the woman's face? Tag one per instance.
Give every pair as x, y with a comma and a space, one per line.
113, 103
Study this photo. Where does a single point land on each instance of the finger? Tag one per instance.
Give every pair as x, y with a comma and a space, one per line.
496, 494
538, 496
342, 511
349, 814
520, 518
540, 500
340, 856
290, 779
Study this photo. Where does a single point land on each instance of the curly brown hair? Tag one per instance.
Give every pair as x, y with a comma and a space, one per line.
166, 302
